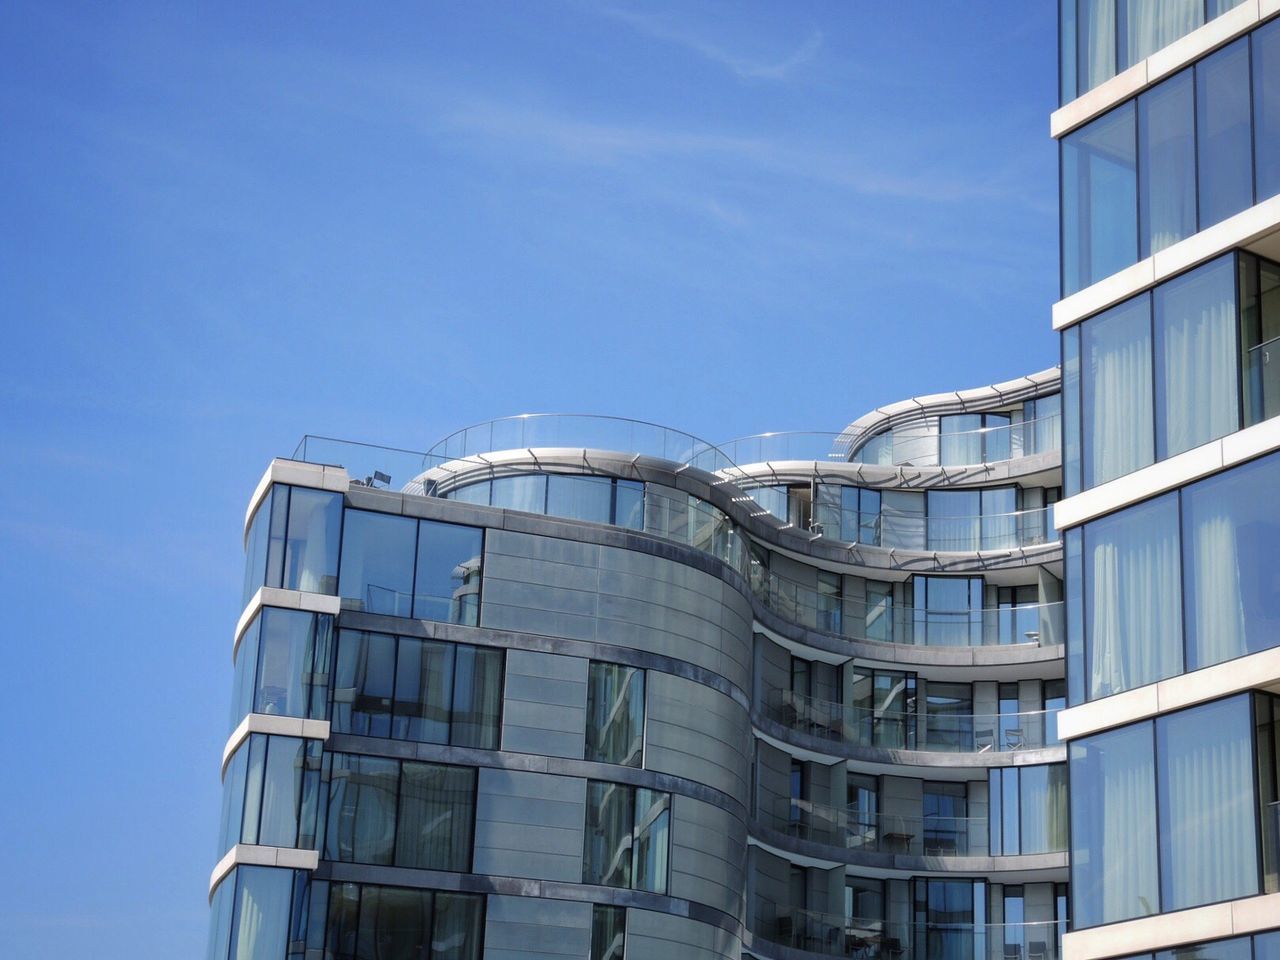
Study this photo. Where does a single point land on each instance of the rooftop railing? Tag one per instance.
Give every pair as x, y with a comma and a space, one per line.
924, 730
867, 938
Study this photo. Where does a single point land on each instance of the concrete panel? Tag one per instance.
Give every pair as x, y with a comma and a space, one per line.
695, 732
529, 825
524, 928
708, 854
544, 709
660, 936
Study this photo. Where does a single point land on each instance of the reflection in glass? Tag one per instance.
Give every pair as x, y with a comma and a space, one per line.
1116, 391
1133, 613
652, 840
1231, 525
377, 562
436, 813
608, 932
362, 809
1208, 839
1099, 199
1266, 109
447, 585
615, 714
1167, 144
1224, 133
1114, 872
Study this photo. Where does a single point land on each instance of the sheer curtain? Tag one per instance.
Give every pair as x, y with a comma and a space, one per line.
1196, 347
1126, 837
1217, 627
1167, 188
1207, 814
1152, 24
1117, 395
435, 815
1097, 33
1133, 597
263, 899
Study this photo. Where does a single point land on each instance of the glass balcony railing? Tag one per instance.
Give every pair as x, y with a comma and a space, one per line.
1262, 382
866, 938
881, 620
922, 445
916, 531
938, 732
930, 836
821, 447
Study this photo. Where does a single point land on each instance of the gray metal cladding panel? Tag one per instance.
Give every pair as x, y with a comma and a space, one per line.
660, 936
548, 572
508, 543
545, 707
524, 928
697, 733
708, 855
545, 623
529, 825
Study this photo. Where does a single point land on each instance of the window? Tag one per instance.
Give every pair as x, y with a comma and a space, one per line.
1099, 199
1028, 809
367, 922
261, 912
627, 837
404, 814
954, 519
1259, 338
1266, 109
409, 568
282, 665
949, 716
271, 792
293, 541
1116, 392
1133, 611
608, 932
1166, 142
615, 714
1171, 817
407, 688
946, 819
1114, 874
1223, 133
948, 611
594, 499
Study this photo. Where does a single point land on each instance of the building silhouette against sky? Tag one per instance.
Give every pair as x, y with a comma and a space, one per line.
574, 686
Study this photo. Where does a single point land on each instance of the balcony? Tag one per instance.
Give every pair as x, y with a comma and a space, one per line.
906, 730
832, 935
882, 621
922, 444
853, 829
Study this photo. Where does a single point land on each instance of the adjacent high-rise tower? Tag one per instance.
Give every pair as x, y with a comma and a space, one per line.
1169, 134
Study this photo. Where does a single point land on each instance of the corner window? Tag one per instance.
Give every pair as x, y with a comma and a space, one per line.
293, 541
282, 665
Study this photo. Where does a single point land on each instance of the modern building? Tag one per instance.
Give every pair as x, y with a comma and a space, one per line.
1169, 134
589, 688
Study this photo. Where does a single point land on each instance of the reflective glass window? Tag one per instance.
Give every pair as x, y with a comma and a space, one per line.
311, 541
960, 439
423, 690
580, 498
477, 697
1133, 607
377, 562
1237, 949
1224, 133
362, 809
527, 493
1118, 431
615, 713
1000, 520
1208, 838
1043, 805
607, 853
220, 920
652, 841
1099, 199
1267, 946
949, 716
954, 519
1260, 337
1146, 26
608, 932
1071, 448
1196, 368
260, 926
1266, 109
436, 816
447, 584
902, 519
629, 504
948, 611
1231, 526
1167, 145
364, 683
393, 922
293, 652
368, 922
255, 560
458, 931
1114, 873
1096, 35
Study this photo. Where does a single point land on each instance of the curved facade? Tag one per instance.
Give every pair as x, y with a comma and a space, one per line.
588, 688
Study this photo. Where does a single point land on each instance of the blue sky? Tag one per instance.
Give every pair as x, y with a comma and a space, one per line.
226, 225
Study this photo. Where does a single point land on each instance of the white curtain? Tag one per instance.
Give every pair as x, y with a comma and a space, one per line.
1132, 571
1167, 119
263, 899
1152, 24
1208, 803
1098, 33
1196, 321
1117, 404
1126, 848
1218, 627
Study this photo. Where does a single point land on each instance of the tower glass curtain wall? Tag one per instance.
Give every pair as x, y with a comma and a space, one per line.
1170, 468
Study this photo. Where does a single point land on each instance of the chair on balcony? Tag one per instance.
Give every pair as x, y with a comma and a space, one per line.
1014, 739
1013, 951
1037, 950
891, 948
984, 740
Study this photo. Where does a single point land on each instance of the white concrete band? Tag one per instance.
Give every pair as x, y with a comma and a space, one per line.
285, 599
269, 723
255, 856
1215, 922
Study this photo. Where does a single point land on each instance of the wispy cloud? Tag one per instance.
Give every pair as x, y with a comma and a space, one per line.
667, 30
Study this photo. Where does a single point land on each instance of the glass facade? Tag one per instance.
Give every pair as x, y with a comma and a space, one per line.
1170, 817
270, 793
593, 499
405, 814
293, 541
282, 666
1179, 158
407, 688
1166, 371
1027, 809
368, 922
1173, 584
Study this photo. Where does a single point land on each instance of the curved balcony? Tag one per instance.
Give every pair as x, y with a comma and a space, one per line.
921, 445
853, 829
795, 934
849, 726
881, 621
